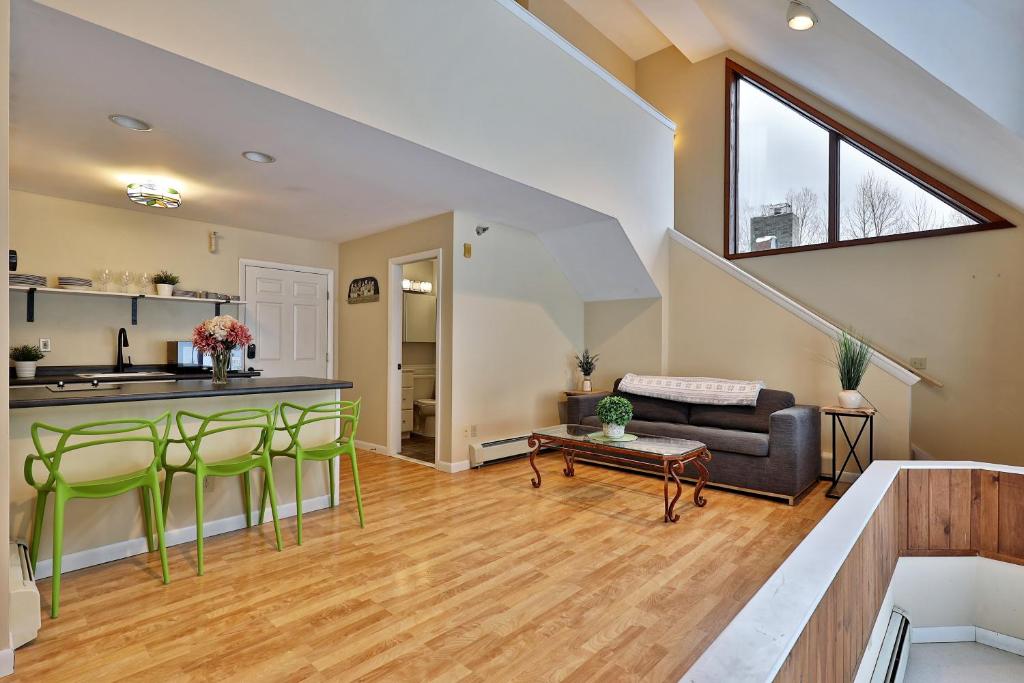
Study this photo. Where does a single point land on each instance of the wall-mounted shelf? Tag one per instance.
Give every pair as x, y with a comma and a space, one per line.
31, 292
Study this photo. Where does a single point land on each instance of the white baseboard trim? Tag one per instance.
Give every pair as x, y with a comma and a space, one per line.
6, 662
137, 546
968, 634
942, 634
453, 467
999, 641
375, 447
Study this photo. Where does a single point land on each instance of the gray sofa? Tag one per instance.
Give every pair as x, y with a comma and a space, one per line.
772, 448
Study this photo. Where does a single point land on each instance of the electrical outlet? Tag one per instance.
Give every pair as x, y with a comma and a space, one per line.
44, 345
472, 430
919, 363
466, 432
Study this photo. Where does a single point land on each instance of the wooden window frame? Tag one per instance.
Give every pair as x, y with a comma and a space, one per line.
734, 73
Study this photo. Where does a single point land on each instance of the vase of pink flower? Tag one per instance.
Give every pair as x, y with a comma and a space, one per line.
217, 337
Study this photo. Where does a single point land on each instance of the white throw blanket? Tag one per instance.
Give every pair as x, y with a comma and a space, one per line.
701, 390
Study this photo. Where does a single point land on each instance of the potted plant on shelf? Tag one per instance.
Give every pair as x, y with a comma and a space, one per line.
25, 359
615, 413
217, 337
587, 363
165, 281
852, 358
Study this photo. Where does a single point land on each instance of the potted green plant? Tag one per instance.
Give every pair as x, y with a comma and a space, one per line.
165, 281
615, 413
587, 363
25, 359
852, 358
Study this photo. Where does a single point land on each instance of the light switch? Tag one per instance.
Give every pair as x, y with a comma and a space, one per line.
919, 363
44, 345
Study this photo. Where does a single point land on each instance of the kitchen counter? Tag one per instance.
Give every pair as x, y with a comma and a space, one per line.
168, 389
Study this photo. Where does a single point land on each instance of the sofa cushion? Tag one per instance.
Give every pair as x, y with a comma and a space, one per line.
745, 418
655, 409
725, 440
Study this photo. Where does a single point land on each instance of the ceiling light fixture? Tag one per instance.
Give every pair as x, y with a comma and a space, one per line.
259, 157
130, 122
150, 193
800, 17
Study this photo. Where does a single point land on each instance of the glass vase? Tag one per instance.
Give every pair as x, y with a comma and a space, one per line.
221, 361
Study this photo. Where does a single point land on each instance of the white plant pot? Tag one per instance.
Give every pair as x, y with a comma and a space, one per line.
851, 398
25, 369
587, 386
614, 431
165, 290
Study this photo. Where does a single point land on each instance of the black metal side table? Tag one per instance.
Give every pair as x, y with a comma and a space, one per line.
867, 418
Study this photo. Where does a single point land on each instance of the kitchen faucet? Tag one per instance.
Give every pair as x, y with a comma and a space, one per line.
122, 344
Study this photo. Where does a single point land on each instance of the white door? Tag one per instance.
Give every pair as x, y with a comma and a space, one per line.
287, 313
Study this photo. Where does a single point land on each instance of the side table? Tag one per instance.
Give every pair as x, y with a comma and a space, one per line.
867, 418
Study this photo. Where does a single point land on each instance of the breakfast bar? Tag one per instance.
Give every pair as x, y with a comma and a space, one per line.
98, 531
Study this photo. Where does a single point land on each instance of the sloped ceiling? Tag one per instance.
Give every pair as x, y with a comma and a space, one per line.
944, 78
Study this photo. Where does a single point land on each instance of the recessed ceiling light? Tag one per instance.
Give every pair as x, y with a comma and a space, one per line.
259, 157
151, 193
800, 17
129, 122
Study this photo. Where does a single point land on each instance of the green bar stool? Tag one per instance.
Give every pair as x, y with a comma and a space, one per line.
95, 435
347, 414
257, 423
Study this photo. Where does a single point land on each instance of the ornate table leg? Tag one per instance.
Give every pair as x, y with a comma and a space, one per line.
534, 445
570, 463
670, 468
702, 478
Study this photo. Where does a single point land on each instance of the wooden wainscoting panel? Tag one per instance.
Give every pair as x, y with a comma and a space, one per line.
985, 511
960, 509
833, 641
901, 510
1011, 515
938, 509
917, 509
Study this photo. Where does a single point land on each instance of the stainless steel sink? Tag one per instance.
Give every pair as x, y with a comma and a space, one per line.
123, 375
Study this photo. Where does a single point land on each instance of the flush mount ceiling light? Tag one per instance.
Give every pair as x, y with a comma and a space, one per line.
130, 122
259, 157
149, 193
800, 17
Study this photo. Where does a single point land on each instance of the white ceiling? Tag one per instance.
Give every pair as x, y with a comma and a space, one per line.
624, 24
335, 179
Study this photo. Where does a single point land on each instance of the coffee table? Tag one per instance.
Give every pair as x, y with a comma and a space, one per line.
656, 454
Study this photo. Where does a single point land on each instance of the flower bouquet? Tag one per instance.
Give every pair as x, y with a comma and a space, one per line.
217, 337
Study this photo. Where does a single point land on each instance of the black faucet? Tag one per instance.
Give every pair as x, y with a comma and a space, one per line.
122, 344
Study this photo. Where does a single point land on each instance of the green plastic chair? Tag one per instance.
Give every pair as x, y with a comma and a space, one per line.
256, 420
79, 438
347, 414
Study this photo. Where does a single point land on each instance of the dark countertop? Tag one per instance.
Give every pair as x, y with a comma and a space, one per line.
51, 374
126, 392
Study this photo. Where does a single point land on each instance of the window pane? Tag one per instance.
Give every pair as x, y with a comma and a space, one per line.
875, 201
782, 174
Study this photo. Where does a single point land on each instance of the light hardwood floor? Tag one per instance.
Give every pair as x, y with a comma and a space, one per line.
471, 577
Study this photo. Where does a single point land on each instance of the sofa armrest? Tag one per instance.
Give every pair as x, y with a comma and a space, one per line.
794, 438
581, 406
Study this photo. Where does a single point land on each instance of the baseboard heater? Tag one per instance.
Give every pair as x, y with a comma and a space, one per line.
24, 600
891, 665
484, 452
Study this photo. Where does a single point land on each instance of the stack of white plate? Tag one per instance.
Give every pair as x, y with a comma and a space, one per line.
27, 280
68, 282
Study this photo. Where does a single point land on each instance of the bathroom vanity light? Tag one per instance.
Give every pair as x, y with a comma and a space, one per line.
150, 193
418, 286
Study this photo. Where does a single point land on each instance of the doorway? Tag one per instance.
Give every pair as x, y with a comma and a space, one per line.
288, 310
414, 349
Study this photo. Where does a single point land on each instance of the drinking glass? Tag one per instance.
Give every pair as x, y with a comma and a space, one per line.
126, 280
104, 279
145, 283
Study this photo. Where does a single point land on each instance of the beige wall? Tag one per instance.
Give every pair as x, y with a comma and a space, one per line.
628, 337
723, 328
955, 300
363, 328
5, 460
571, 25
62, 237
517, 324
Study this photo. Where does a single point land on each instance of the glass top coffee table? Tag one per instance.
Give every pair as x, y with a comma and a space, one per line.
656, 454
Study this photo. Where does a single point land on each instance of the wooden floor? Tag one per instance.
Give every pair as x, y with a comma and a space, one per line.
467, 577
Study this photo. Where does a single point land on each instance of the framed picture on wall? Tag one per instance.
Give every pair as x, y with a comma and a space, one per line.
363, 290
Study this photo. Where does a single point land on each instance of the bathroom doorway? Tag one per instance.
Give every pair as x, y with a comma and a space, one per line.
414, 349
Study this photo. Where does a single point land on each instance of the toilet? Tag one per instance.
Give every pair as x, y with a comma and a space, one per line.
424, 410
424, 407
